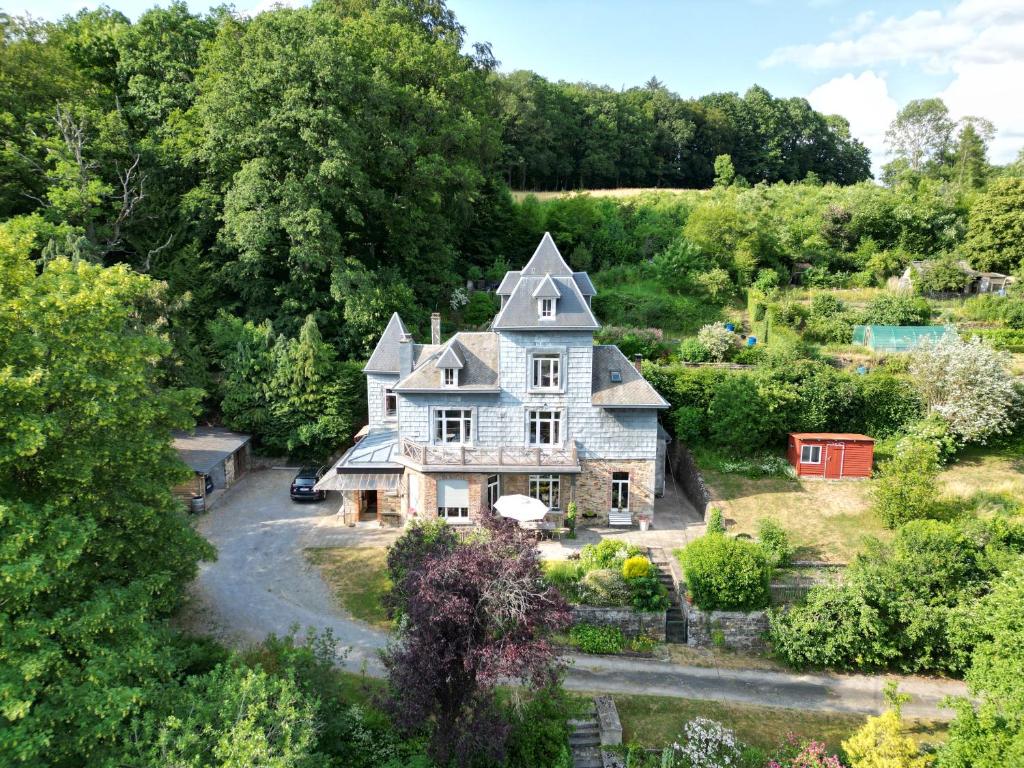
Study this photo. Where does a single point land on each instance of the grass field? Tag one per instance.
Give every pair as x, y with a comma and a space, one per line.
656, 721
826, 520
358, 577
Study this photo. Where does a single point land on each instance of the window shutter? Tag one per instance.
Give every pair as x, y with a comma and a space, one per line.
453, 493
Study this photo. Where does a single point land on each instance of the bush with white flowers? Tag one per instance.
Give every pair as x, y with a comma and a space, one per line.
717, 340
707, 744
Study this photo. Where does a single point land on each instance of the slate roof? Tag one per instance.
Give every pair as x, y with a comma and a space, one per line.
450, 358
206, 447
385, 355
583, 283
634, 391
547, 289
479, 373
545, 266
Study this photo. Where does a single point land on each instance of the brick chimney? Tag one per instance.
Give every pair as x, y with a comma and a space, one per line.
638, 362
435, 327
405, 355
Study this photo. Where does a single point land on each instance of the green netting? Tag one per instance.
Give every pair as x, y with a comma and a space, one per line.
897, 338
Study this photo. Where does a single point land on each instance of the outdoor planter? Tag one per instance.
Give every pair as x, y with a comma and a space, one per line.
645, 523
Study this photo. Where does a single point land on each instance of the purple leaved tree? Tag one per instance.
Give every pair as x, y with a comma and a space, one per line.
475, 614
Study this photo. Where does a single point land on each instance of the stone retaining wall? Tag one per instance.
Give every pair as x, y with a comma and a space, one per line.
685, 472
632, 623
741, 631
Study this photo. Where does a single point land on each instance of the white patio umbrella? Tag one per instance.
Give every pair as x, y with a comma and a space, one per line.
521, 508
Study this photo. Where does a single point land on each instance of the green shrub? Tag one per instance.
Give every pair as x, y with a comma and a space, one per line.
826, 305
482, 307
605, 586
642, 644
565, 575
835, 627
715, 522
726, 574
688, 423
647, 342
636, 567
692, 351
647, 593
540, 730
907, 488
897, 309
593, 639
608, 553
775, 542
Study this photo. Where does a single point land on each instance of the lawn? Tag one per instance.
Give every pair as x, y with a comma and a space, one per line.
358, 578
827, 520
656, 721
985, 471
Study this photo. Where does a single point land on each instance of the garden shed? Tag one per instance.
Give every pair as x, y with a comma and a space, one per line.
218, 457
831, 455
898, 338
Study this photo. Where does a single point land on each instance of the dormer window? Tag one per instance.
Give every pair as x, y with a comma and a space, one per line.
450, 377
547, 309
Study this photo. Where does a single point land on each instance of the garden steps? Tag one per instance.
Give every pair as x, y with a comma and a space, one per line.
585, 740
675, 620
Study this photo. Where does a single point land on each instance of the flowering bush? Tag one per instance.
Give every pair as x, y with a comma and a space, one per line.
636, 567
707, 744
803, 754
717, 340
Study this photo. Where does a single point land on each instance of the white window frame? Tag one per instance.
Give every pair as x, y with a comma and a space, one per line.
810, 449
554, 487
390, 413
553, 362
553, 417
454, 514
618, 484
493, 481
546, 309
449, 377
439, 416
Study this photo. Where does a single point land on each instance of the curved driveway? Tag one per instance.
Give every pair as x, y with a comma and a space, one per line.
262, 583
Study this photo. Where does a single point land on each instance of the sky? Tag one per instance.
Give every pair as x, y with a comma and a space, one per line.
857, 58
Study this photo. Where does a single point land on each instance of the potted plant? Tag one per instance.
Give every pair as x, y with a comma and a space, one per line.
570, 519
644, 521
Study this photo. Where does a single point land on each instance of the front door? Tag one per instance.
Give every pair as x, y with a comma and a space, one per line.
368, 505
834, 460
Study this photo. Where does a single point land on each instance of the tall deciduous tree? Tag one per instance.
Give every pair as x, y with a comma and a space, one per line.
921, 132
476, 614
94, 549
995, 229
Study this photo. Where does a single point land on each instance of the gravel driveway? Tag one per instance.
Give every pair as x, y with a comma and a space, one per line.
262, 583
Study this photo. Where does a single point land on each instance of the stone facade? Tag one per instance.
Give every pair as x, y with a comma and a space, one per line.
740, 631
594, 488
632, 623
425, 506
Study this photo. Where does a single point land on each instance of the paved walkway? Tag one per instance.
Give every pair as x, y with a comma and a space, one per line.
262, 583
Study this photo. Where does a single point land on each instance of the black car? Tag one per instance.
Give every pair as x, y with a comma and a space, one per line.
303, 482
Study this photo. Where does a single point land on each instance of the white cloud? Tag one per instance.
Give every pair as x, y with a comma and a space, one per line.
864, 100
979, 44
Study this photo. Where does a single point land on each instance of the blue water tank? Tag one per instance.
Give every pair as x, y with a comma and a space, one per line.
730, 326
751, 341
862, 369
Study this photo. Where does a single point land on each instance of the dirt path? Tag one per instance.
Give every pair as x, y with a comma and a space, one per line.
262, 583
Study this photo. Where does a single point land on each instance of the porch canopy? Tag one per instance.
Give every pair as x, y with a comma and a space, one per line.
523, 509
359, 481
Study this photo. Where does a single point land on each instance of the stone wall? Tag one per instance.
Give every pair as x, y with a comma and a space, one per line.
688, 476
740, 631
594, 488
632, 623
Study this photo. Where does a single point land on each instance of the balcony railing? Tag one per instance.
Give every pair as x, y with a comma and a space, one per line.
431, 456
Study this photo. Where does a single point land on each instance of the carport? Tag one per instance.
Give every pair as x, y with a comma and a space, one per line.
213, 453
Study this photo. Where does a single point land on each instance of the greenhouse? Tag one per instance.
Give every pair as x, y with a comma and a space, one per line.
898, 338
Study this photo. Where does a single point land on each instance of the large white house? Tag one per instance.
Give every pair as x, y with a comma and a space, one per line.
530, 406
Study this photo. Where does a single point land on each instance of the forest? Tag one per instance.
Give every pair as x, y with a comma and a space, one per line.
211, 217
